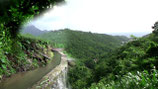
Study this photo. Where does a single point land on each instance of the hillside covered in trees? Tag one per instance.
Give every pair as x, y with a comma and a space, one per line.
79, 42
131, 66
89, 49
103, 62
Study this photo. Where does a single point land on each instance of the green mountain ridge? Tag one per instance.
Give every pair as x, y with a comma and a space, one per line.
103, 61
65, 35
78, 42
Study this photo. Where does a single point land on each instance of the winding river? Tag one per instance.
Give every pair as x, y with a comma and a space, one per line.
27, 79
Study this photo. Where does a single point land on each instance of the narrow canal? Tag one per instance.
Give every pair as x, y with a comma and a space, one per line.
27, 79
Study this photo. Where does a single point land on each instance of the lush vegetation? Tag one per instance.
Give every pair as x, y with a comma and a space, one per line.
139, 80
67, 39
87, 45
89, 48
132, 66
58, 38
100, 62
103, 62
26, 54
14, 49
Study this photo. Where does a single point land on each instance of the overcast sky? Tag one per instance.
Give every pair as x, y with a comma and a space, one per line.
101, 16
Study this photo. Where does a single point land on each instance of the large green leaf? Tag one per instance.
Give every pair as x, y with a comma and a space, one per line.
3, 60
4, 66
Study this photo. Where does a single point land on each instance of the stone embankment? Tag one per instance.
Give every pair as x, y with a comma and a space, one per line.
55, 79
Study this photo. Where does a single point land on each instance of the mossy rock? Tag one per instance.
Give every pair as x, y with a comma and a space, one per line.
71, 63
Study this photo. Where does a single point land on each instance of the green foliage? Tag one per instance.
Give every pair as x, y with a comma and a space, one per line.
116, 67
86, 47
58, 38
82, 78
35, 63
120, 69
35, 38
15, 58
99, 63
140, 80
83, 44
15, 13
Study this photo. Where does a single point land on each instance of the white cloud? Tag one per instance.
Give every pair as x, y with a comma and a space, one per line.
102, 16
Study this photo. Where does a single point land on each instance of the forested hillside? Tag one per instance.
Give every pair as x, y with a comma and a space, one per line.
101, 61
132, 66
89, 49
91, 45
58, 38
81, 42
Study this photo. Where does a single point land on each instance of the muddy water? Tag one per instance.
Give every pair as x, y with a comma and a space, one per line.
27, 79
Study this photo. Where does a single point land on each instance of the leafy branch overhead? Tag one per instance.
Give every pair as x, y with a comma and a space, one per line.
15, 12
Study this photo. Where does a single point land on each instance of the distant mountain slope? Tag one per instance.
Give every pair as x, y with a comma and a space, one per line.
59, 38
82, 44
122, 38
128, 34
31, 29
